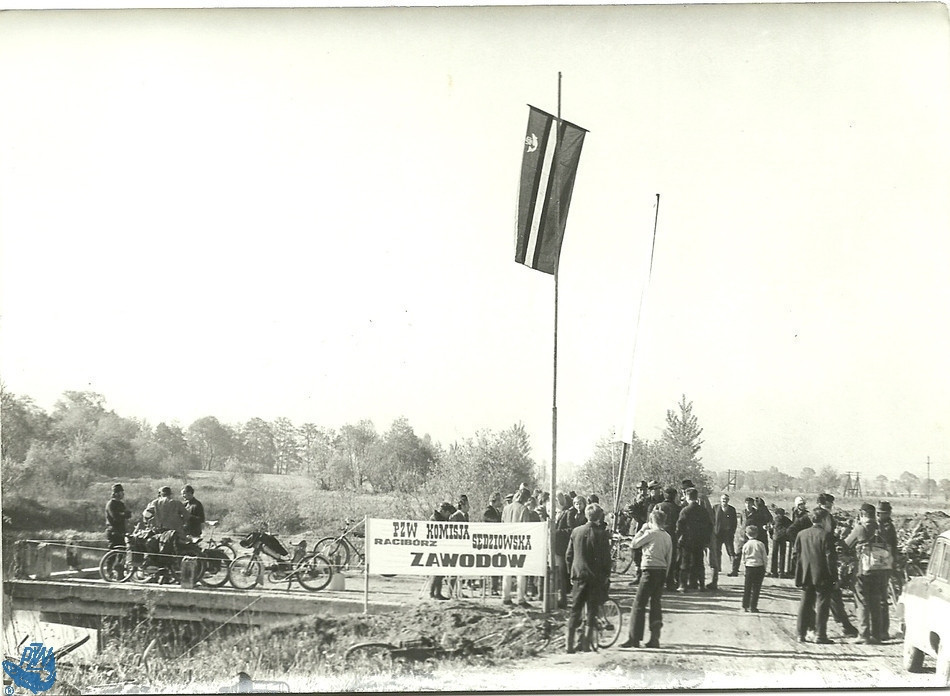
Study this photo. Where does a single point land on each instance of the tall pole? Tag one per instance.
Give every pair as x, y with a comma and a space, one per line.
620, 478
623, 457
550, 594
927, 482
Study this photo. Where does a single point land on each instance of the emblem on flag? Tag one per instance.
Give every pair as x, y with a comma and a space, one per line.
548, 168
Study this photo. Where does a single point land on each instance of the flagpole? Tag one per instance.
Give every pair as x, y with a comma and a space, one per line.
623, 458
549, 596
620, 477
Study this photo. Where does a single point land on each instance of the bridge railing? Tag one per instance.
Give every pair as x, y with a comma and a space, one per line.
42, 559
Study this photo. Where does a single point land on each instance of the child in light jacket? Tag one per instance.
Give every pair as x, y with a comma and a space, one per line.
753, 558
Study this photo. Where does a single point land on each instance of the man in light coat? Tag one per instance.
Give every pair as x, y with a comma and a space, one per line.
516, 511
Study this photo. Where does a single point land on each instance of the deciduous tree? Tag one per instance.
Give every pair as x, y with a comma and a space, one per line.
828, 479
211, 442
909, 481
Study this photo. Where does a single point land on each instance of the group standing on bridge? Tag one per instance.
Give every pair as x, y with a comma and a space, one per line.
164, 513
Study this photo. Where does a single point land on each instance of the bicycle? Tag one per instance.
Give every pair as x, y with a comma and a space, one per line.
339, 549
607, 624
119, 563
621, 555
382, 655
896, 579
150, 556
225, 545
311, 570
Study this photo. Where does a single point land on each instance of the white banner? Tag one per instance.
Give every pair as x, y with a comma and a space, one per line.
414, 547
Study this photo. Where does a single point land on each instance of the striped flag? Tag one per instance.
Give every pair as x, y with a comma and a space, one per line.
548, 169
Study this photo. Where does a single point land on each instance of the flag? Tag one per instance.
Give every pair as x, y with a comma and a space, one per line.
548, 169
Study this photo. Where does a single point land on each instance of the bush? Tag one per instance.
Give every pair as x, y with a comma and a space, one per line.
264, 508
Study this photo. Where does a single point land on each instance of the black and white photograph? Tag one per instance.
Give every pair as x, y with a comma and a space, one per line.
475, 348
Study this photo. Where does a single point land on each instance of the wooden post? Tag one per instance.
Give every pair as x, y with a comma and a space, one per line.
21, 559
43, 565
189, 572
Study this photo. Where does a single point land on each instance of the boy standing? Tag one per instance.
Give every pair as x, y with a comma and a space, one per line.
753, 558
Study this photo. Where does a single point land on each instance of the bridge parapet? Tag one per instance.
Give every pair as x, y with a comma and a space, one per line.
77, 601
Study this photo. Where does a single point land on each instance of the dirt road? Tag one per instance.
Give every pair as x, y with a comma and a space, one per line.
708, 642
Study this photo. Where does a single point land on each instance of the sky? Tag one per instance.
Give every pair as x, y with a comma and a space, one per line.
310, 214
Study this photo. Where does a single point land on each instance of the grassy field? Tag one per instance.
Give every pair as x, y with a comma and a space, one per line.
295, 504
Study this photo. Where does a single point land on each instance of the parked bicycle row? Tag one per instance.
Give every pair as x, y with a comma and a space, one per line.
149, 556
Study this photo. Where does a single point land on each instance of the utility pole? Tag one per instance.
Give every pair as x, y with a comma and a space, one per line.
852, 484
927, 482
731, 477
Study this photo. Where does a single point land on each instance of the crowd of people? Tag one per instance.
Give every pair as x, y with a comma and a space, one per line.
675, 534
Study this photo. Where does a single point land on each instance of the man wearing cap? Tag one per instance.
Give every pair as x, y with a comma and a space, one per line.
816, 572
671, 512
693, 529
684, 500
116, 515
870, 586
441, 514
889, 534
166, 513
517, 511
639, 513
656, 495
725, 520
196, 511
492, 513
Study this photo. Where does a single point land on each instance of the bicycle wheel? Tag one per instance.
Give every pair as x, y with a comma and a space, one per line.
314, 572
369, 657
335, 550
609, 623
116, 566
214, 567
225, 548
623, 559
245, 572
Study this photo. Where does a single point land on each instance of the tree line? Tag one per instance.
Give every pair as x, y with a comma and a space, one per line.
81, 440
829, 479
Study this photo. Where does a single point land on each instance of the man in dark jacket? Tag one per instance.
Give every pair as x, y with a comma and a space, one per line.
493, 514
588, 555
196, 512
889, 533
116, 515
725, 520
693, 529
780, 544
816, 572
671, 513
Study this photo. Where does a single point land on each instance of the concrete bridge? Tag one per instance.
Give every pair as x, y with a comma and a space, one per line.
44, 599
84, 602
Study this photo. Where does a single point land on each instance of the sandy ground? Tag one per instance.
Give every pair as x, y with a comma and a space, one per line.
708, 642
